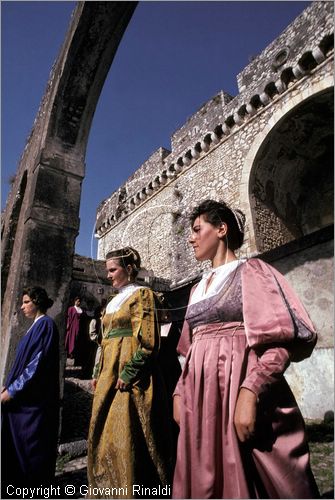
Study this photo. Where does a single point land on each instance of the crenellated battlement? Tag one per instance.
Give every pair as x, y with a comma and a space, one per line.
138, 186
304, 46
302, 36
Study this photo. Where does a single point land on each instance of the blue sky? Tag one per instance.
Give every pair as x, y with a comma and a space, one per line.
173, 58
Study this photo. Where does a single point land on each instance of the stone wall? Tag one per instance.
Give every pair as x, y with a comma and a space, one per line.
210, 157
89, 282
268, 151
118, 205
41, 219
199, 124
158, 226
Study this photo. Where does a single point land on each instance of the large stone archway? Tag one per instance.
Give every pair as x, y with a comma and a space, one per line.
291, 183
255, 194
42, 214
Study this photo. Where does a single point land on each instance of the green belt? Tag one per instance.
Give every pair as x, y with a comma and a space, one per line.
119, 332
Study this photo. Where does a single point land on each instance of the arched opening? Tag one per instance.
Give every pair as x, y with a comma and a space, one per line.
291, 183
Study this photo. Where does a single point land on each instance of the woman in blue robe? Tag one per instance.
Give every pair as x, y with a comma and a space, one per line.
30, 400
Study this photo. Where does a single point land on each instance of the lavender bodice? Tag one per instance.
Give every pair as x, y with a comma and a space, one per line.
224, 307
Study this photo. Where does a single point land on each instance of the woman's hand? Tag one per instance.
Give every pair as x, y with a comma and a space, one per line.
176, 409
245, 414
121, 385
5, 396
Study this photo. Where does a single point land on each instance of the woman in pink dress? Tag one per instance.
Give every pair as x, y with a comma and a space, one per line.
72, 327
241, 432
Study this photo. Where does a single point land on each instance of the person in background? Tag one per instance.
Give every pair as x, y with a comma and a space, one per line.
30, 400
241, 432
95, 333
129, 438
74, 313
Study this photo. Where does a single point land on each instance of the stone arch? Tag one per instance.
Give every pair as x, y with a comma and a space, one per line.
54, 158
284, 165
9, 237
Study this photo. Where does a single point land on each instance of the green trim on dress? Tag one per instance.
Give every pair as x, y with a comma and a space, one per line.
119, 332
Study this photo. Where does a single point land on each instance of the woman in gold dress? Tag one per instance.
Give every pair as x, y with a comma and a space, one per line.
129, 438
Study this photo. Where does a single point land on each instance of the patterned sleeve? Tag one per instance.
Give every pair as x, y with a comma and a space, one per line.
92, 329
19, 384
144, 326
43, 339
97, 363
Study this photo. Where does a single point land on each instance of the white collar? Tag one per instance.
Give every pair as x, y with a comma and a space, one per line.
220, 270
219, 275
124, 293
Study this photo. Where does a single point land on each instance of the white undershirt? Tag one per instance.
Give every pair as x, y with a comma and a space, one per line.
124, 293
219, 275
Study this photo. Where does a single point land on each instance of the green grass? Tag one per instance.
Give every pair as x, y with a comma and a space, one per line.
321, 444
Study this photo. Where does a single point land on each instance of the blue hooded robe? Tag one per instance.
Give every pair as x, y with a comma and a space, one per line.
30, 418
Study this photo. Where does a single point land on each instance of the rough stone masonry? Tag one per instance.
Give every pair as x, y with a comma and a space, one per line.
268, 151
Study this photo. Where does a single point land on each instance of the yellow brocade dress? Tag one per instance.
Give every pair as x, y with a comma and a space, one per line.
129, 440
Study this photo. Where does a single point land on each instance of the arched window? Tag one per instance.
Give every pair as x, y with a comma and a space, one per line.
291, 184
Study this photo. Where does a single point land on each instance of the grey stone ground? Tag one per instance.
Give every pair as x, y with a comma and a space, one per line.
72, 461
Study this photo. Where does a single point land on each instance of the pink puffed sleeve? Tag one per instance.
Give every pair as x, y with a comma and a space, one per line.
272, 312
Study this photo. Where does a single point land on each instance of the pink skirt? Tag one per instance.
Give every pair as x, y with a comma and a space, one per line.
211, 462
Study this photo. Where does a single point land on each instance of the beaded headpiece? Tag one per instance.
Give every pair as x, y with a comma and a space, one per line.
127, 252
240, 219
